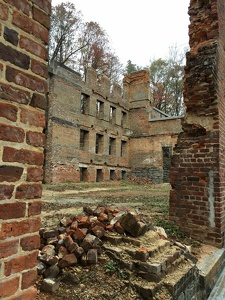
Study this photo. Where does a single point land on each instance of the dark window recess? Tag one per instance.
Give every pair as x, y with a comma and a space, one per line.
167, 153
84, 174
112, 115
99, 109
112, 175
123, 150
84, 139
99, 175
124, 119
112, 146
84, 103
124, 175
99, 143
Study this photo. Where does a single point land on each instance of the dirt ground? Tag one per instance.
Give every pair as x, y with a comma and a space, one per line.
96, 282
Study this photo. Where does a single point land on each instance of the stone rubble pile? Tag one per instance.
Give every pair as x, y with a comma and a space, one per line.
79, 240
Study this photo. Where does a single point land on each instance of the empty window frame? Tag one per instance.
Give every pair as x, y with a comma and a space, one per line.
112, 146
99, 175
99, 144
112, 115
123, 119
124, 175
99, 109
112, 175
84, 174
123, 149
84, 134
84, 103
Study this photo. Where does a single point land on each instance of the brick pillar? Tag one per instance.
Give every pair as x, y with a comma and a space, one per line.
23, 84
197, 199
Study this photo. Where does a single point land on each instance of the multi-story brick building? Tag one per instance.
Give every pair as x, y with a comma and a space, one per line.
97, 132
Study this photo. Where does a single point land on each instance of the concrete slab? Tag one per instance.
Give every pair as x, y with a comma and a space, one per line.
218, 292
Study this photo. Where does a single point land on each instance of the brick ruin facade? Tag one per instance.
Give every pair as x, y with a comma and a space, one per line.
23, 85
97, 132
197, 174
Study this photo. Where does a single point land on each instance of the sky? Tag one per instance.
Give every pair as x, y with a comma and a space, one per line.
141, 30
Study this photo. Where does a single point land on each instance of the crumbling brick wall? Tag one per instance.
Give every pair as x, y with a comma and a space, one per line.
197, 173
23, 85
67, 157
122, 122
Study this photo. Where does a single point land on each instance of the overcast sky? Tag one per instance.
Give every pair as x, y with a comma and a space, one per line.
139, 30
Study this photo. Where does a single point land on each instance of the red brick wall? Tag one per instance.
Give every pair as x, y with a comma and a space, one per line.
197, 175
23, 71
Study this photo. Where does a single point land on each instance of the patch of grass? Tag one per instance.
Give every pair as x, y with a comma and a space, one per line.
170, 229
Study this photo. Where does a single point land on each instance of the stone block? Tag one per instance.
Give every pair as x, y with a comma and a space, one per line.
49, 285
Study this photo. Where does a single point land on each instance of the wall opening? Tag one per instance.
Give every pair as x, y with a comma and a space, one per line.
99, 144
99, 109
124, 175
84, 138
84, 103
112, 146
99, 175
167, 153
112, 175
112, 115
84, 174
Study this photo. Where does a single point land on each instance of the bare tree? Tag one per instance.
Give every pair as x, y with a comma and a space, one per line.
66, 27
166, 79
80, 45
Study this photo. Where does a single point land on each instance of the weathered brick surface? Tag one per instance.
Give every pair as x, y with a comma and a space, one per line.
33, 47
9, 248
22, 5
19, 228
30, 243
4, 10
23, 156
28, 191
9, 287
197, 198
8, 111
23, 79
11, 36
35, 174
32, 117
41, 16
12, 210
29, 279
39, 68
11, 133
23, 73
34, 208
13, 94
36, 139
30, 26
21, 263
38, 101
13, 56
10, 173
27, 294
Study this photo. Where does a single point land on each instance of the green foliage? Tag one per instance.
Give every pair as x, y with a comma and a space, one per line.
113, 267
169, 228
130, 67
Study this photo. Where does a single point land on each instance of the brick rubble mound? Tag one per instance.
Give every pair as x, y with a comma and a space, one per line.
127, 238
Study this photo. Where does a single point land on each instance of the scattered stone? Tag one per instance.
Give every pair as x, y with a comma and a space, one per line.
99, 231
51, 272
132, 225
92, 256
50, 233
68, 260
49, 285
41, 267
